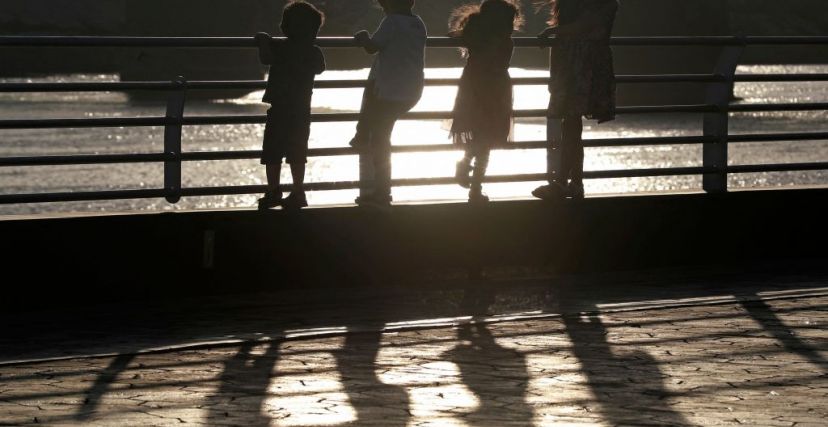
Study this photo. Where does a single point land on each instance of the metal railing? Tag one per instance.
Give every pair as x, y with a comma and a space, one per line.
714, 140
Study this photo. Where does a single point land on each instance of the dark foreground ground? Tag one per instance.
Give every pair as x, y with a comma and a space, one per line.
726, 346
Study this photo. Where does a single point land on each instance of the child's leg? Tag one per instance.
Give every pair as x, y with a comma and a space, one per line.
554, 154
297, 171
574, 158
297, 198
273, 195
365, 114
385, 118
273, 172
464, 168
381, 155
481, 163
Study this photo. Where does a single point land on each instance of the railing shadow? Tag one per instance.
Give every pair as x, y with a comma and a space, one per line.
628, 388
765, 316
102, 385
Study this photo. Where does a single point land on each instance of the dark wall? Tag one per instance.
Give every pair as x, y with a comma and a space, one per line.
153, 255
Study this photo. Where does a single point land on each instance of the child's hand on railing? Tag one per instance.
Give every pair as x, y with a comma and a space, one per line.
550, 31
362, 37
263, 41
262, 38
456, 34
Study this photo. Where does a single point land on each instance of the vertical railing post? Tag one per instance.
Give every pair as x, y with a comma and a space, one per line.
172, 139
716, 123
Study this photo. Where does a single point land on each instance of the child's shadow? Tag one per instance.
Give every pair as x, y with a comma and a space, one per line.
629, 388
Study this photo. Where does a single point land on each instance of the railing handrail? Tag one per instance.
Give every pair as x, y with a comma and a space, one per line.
348, 42
80, 159
236, 119
27, 87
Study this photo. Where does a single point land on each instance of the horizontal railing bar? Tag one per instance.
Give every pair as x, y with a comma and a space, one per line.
84, 159
103, 122
94, 86
357, 83
348, 42
719, 40
803, 77
418, 148
778, 167
79, 159
350, 117
346, 185
769, 137
319, 84
800, 106
81, 196
324, 152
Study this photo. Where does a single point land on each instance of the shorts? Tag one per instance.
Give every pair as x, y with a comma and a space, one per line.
286, 136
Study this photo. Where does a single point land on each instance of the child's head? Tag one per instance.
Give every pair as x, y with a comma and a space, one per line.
561, 11
301, 21
397, 6
502, 16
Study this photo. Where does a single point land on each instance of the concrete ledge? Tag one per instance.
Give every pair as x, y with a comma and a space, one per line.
133, 256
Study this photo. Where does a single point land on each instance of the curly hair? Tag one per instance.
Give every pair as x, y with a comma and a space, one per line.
551, 7
301, 20
504, 15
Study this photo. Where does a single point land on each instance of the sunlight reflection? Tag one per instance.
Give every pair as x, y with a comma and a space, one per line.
553, 372
309, 396
435, 388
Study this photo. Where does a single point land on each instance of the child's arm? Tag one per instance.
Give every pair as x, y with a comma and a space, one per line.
376, 42
263, 40
363, 39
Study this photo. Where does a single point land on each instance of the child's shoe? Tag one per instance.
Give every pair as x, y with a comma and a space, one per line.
461, 173
551, 192
477, 197
270, 200
375, 201
576, 190
295, 201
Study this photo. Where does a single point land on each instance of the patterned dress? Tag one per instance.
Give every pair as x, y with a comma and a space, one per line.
482, 112
581, 67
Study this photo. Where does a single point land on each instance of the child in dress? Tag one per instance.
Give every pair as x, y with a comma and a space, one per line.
294, 64
394, 86
482, 114
582, 85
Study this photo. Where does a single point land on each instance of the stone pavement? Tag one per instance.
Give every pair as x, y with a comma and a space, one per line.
664, 348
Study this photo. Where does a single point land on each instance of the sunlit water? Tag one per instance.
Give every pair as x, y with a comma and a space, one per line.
248, 137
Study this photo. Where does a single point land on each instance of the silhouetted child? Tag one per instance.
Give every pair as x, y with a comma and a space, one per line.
294, 64
582, 84
394, 86
482, 115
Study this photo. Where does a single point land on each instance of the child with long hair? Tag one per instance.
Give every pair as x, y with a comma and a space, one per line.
482, 114
582, 84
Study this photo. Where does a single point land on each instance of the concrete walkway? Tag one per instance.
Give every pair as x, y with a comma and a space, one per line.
658, 348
